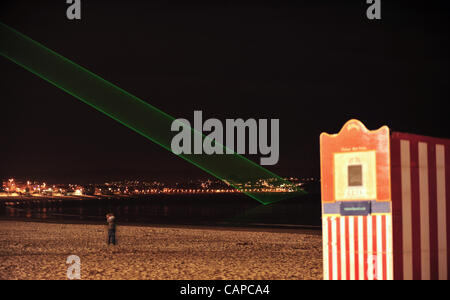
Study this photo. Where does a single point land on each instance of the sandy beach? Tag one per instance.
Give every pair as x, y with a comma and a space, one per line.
30, 250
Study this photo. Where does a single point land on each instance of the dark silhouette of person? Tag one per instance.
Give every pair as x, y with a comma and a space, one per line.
111, 228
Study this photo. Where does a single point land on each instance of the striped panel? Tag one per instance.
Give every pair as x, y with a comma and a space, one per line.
420, 184
357, 247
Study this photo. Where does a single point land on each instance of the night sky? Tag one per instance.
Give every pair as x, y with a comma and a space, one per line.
312, 64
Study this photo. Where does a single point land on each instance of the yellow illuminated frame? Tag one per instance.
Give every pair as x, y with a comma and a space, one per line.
368, 189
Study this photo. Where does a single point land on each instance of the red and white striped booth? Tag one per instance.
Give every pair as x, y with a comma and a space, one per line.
385, 204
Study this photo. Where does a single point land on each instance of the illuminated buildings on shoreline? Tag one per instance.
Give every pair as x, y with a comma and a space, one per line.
11, 187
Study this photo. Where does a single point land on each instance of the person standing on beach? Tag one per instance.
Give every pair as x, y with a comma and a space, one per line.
111, 228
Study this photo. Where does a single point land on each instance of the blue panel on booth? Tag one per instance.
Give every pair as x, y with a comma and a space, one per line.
355, 208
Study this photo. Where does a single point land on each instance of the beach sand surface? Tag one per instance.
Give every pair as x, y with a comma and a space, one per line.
34, 250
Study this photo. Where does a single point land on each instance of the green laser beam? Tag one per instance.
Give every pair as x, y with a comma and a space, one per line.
134, 113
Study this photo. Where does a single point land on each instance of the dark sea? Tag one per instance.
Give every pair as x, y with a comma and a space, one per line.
196, 209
